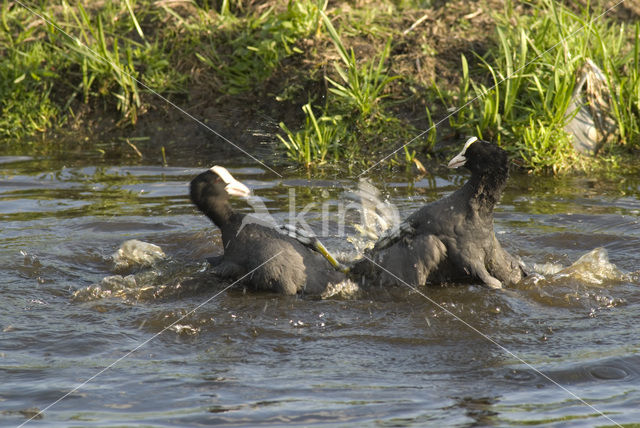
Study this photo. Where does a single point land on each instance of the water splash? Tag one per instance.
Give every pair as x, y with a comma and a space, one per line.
591, 269
346, 289
377, 215
143, 272
587, 283
594, 268
134, 287
134, 254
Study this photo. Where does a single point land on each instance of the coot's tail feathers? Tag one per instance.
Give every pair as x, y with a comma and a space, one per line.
312, 242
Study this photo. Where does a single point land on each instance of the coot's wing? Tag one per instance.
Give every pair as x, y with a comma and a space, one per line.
411, 260
407, 261
393, 235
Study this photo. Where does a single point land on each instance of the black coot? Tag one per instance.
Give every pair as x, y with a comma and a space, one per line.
248, 244
451, 239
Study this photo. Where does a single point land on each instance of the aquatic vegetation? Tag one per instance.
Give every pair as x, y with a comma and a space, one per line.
546, 147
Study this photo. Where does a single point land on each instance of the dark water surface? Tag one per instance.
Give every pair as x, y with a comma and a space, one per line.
457, 356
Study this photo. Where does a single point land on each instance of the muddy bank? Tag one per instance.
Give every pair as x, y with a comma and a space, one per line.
204, 52
426, 45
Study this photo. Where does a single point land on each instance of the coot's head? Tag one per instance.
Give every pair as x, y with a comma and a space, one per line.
214, 186
481, 157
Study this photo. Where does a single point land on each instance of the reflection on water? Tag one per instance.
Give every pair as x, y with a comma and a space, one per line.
74, 302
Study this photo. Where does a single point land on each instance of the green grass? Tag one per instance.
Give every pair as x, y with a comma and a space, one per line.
319, 138
253, 47
106, 64
336, 64
45, 73
529, 79
114, 56
353, 110
26, 80
362, 88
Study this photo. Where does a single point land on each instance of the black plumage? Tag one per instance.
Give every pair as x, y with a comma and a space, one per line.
248, 244
451, 239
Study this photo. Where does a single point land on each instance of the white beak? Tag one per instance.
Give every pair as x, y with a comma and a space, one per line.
460, 159
457, 161
233, 186
238, 189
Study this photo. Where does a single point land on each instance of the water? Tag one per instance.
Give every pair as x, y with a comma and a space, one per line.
127, 341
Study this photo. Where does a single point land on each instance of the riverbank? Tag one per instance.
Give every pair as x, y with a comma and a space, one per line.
321, 83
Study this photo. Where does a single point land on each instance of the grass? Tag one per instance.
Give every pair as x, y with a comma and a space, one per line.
532, 74
254, 47
362, 88
345, 84
316, 140
353, 109
46, 73
25, 82
113, 71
